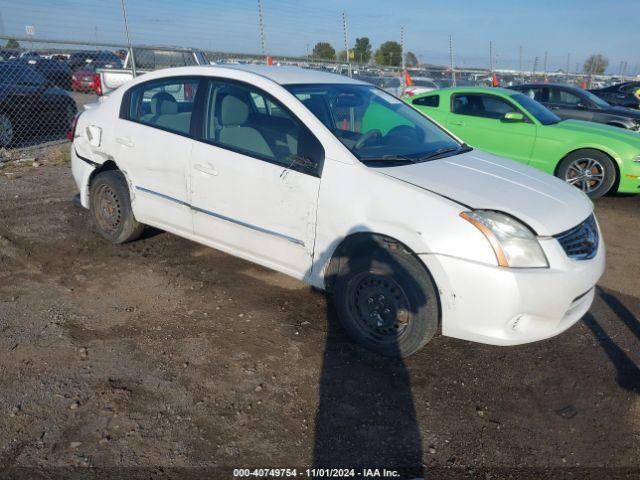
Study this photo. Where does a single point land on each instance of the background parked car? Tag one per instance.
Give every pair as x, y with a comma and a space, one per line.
596, 158
620, 94
30, 108
54, 71
106, 59
568, 101
87, 78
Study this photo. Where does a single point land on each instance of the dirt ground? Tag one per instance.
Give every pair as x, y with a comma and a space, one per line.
166, 359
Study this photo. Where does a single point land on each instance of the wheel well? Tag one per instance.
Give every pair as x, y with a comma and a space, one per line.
614, 187
360, 241
106, 166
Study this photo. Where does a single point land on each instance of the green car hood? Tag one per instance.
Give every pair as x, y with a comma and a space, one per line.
598, 131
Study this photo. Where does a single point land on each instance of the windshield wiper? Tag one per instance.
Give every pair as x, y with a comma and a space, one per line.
443, 151
390, 158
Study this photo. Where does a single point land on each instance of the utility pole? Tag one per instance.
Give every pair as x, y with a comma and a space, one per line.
126, 30
490, 57
402, 57
263, 45
535, 66
346, 41
453, 72
520, 64
545, 67
568, 66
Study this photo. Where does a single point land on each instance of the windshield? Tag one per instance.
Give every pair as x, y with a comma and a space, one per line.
374, 125
540, 112
595, 99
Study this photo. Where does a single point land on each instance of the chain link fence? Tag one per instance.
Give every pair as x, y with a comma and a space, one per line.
44, 83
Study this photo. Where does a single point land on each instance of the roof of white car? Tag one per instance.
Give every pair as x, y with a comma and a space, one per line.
291, 75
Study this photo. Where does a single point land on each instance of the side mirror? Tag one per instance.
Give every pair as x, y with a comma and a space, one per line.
513, 117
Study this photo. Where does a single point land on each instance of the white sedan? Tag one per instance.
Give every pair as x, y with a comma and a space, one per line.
340, 184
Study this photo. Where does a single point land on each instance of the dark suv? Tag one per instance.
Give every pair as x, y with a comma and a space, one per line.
567, 101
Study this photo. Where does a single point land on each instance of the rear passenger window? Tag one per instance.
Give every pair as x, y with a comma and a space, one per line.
165, 104
429, 101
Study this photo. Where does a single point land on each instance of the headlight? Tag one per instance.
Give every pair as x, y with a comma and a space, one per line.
514, 243
636, 158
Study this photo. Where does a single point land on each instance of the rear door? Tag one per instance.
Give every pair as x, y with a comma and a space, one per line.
250, 197
152, 144
478, 119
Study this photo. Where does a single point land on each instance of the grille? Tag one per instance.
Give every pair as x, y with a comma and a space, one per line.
581, 242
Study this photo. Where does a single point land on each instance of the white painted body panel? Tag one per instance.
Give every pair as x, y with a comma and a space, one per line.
293, 222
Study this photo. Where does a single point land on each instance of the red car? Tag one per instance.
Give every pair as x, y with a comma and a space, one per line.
85, 80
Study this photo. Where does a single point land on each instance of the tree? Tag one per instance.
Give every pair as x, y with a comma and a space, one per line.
324, 51
389, 53
410, 59
12, 43
596, 64
362, 50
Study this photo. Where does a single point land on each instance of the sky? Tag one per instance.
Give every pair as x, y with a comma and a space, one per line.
560, 27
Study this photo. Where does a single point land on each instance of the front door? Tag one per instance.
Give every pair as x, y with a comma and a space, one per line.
153, 145
255, 177
478, 119
566, 104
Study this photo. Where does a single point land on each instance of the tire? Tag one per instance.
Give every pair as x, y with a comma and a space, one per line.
590, 170
7, 131
386, 300
110, 206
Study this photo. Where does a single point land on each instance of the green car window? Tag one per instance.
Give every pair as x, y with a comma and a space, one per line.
481, 105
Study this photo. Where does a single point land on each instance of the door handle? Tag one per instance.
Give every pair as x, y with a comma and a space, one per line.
125, 141
457, 122
207, 169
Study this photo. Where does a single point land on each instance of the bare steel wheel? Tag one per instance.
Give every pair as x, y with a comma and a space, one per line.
385, 297
109, 212
6, 131
592, 171
379, 305
111, 208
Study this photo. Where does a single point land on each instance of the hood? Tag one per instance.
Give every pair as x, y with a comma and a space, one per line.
592, 129
483, 181
624, 111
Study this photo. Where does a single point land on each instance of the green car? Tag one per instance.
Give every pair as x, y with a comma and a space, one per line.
594, 157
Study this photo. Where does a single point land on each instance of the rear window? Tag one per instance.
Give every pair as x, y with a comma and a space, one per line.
429, 101
157, 59
165, 104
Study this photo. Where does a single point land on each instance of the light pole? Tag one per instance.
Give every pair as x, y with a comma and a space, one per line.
126, 30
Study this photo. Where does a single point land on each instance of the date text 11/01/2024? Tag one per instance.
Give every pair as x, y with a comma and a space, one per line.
315, 473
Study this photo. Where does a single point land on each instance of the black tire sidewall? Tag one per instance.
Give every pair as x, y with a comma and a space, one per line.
129, 228
604, 159
419, 288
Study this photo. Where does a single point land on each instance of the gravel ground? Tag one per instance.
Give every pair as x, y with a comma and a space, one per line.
166, 359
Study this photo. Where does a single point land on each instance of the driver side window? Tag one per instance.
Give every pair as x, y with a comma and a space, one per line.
246, 120
481, 105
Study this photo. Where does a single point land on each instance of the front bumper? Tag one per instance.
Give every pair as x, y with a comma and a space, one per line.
505, 306
629, 177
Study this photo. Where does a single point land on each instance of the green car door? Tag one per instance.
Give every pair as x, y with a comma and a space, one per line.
492, 123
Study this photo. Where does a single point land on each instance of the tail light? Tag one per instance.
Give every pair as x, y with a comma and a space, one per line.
96, 84
71, 133
409, 93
